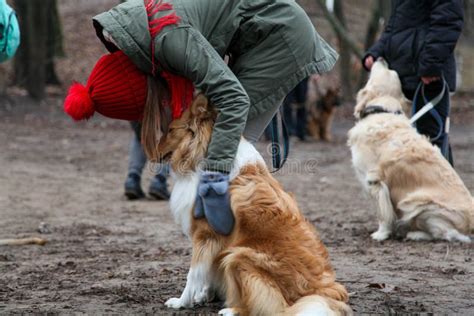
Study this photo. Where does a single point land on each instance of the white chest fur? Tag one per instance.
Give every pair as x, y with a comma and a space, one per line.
182, 199
185, 186
247, 154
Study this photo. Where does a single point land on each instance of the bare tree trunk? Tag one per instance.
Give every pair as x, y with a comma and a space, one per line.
340, 29
34, 63
21, 57
386, 8
468, 17
372, 30
36, 26
3, 80
54, 44
345, 68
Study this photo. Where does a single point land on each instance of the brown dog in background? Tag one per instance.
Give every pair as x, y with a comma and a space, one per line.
321, 115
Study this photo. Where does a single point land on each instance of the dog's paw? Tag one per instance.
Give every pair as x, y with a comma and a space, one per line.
176, 303
204, 296
454, 235
380, 235
419, 235
229, 312
463, 238
401, 229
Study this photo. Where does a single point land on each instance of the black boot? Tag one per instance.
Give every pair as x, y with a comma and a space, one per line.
133, 189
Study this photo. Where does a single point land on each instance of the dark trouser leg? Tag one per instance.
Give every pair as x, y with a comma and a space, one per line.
288, 117
257, 125
301, 121
427, 125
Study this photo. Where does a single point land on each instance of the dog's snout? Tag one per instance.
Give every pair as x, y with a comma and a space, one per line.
383, 61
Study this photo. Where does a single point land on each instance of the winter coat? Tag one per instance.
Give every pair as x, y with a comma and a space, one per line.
272, 43
419, 40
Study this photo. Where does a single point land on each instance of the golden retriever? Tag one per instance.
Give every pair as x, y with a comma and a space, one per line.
273, 262
418, 193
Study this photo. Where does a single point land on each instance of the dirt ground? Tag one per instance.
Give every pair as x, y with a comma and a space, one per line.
109, 255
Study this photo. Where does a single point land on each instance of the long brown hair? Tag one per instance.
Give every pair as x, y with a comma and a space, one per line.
154, 117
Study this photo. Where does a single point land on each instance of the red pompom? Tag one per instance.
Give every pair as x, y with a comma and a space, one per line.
78, 103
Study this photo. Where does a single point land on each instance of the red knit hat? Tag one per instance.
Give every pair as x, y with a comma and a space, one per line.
116, 88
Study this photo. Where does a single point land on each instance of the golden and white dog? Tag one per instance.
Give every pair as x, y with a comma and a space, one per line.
419, 195
272, 263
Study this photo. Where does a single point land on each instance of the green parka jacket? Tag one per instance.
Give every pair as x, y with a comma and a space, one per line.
272, 43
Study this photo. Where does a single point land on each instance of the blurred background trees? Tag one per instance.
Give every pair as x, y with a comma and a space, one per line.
41, 42
351, 26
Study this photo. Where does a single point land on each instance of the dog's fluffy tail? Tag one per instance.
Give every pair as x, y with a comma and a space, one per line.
314, 305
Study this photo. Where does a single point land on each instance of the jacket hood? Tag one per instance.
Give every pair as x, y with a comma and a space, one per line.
127, 24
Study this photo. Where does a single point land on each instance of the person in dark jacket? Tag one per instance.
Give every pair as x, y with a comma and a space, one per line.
418, 43
296, 98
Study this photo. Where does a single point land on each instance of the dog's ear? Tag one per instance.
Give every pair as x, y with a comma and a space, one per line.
199, 105
337, 98
363, 97
201, 110
406, 106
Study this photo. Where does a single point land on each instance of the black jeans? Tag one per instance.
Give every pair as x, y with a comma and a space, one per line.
295, 127
427, 125
297, 96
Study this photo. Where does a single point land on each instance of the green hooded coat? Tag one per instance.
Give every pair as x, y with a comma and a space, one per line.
272, 43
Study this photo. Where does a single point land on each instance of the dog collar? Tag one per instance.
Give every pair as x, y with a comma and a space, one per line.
375, 109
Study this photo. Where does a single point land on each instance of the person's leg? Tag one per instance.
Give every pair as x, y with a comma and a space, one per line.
255, 126
427, 125
301, 121
136, 163
136, 157
288, 116
159, 184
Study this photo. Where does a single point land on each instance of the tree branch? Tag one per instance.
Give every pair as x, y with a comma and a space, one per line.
341, 30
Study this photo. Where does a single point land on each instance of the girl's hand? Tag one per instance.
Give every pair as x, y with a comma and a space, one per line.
369, 62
